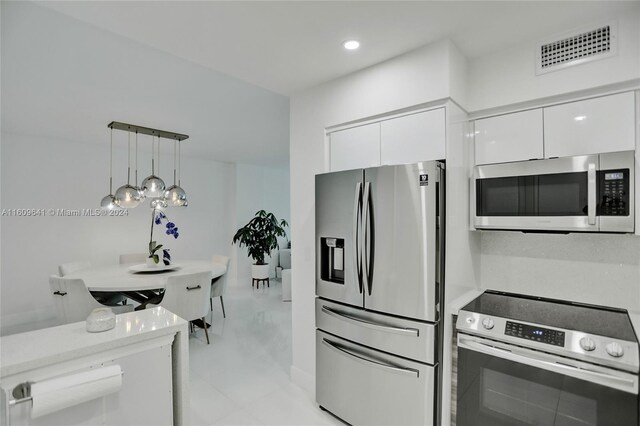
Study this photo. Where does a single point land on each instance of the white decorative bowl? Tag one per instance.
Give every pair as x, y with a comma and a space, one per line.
101, 319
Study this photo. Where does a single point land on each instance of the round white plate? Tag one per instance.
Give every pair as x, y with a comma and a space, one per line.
144, 268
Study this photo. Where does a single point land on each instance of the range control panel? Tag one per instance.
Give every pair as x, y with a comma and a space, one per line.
536, 334
614, 192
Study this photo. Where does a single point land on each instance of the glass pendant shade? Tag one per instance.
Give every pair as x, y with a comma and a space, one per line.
108, 203
158, 204
153, 187
127, 196
175, 196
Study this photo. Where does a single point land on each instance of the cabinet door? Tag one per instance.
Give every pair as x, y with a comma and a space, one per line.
510, 137
355, 148
413, 138
593, 126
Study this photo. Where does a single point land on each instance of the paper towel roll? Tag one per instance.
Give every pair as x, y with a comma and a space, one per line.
56, 394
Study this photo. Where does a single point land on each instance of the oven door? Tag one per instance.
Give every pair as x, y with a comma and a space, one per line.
558, 194
501, 384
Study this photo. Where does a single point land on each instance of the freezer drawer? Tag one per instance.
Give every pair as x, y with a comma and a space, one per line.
406, 338
366, 387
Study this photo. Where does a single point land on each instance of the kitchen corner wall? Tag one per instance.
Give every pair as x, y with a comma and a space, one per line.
601, 269
422, 76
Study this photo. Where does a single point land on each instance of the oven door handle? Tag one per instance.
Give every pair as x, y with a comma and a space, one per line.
531, 358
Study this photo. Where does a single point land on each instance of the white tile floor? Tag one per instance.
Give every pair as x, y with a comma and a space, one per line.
242, 377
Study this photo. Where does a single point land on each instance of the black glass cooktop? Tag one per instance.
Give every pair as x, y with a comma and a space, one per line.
603, 321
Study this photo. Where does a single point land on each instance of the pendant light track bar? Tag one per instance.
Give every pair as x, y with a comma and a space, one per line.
147, 131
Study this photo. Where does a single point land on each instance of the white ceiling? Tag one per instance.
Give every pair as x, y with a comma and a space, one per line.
220, 71
287, 46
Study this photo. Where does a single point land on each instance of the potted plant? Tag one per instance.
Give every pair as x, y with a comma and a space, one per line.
260, 236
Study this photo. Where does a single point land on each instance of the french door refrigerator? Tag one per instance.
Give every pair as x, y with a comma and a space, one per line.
379, 282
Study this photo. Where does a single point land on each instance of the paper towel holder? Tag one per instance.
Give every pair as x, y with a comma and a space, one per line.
22, 393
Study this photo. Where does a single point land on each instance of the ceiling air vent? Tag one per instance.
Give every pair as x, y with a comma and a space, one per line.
577, 48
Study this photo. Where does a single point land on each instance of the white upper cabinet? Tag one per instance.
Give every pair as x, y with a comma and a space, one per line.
510, 137
592, 126
354, 148
413, 138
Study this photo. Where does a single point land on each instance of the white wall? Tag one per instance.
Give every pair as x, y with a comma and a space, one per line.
508, 77
46, 173
259, 188
416, 78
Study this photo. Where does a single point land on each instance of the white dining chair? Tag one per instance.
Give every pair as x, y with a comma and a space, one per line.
104, 297
186, 296
74, 302
70, 267
219, 284
133, 258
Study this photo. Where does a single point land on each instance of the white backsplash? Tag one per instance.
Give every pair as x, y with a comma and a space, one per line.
592, 268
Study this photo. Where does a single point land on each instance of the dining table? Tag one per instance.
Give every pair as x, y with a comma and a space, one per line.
123, 278
140, 283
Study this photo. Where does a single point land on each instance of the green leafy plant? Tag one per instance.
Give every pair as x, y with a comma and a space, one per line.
260, 235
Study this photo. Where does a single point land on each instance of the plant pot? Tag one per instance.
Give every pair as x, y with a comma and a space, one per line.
260, 272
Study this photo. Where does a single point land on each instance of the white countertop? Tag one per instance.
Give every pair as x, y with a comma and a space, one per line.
458, 297
635, 322
26, 351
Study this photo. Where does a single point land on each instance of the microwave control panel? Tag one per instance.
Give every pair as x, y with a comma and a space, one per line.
536, 334
614, 192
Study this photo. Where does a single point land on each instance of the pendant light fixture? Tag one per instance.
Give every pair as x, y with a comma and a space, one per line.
128, 196
152, 185
174, 195
109, 202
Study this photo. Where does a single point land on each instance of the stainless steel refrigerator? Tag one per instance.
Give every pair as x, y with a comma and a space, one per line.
379, 282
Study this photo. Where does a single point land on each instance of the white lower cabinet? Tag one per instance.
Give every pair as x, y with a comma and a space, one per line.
413, 138
145, 398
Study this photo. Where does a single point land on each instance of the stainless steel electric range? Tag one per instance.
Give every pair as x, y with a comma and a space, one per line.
531, 361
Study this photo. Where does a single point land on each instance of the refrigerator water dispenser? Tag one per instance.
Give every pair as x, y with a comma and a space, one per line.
332, 259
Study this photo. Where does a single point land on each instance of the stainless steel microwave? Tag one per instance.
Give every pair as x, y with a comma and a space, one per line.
586, 193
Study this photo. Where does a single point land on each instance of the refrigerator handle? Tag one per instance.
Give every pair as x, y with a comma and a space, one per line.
368, 237
357, 215
372, 362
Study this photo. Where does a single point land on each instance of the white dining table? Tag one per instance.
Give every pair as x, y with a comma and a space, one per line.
119, 278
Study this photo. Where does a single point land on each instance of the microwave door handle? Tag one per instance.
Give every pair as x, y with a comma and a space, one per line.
357, 216
530, 359
591, 193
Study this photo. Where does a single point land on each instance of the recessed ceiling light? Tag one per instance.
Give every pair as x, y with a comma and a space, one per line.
351, 44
